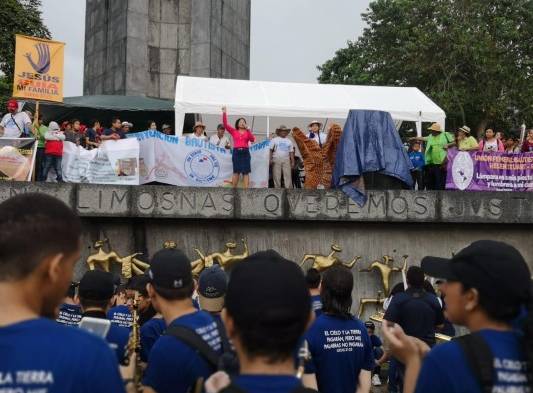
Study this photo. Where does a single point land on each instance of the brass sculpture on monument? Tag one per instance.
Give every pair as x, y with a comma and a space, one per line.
226, 259
323, 262
130, 265
385, 269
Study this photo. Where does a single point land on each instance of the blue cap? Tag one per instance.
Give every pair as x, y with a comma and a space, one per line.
212, 286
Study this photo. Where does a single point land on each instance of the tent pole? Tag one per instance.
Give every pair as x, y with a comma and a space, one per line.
419, 125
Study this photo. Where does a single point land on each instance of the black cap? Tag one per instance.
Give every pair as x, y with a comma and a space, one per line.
496, 269
221, 126
138, 283
266, 288
370, 325
170, 269
212, 286
96, 285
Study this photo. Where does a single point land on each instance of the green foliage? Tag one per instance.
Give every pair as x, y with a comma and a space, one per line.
474, 58
18, 17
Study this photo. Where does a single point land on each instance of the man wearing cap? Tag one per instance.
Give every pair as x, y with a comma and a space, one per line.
173, 365
126, 126
96, 291
38, 354
70, 311
282, 157
212, 285
220, 139
14, 123
198, 131
436, 144
265, 322
166, 129
488, 289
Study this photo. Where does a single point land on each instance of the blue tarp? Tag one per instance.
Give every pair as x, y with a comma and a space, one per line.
369, 143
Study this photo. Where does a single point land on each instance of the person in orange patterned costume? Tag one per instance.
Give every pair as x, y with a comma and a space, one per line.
319, 159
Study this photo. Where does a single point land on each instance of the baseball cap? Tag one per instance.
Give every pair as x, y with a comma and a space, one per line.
96, 285
370, 325
165, 126
221, 126
138, 283
170, 269
12, 105
267, 290
212, 286
127, 124
496, 269
53, 126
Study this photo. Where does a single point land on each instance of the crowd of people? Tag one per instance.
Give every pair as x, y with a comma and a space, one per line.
429, 154
310, 169
265, 327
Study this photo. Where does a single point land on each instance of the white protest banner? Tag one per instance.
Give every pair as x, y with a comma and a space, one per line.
114, 162
17, 158
185, 161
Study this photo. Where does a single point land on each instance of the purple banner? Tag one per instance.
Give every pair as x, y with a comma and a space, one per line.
484, 171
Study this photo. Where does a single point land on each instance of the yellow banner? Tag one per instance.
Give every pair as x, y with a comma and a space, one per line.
38, 69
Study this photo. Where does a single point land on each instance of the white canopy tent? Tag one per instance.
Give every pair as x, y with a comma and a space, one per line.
300, 100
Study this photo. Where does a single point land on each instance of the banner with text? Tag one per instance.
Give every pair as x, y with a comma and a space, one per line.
114, 162
38, 69
480, 171
185, 161
17, 158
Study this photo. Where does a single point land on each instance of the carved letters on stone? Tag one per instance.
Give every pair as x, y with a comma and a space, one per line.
277, 204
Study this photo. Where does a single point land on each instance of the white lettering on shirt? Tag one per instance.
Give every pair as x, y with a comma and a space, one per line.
343, 340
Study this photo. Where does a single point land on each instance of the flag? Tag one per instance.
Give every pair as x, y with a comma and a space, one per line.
38, 69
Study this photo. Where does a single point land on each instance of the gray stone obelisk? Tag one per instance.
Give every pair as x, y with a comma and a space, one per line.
137, 47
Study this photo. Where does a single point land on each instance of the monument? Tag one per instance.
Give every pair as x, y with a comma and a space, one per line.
137, 47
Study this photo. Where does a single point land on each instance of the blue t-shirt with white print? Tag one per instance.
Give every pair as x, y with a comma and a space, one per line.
173, 366
41, 355
445, 368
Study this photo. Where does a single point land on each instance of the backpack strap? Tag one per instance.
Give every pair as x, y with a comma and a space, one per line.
479, 358
196, 342
226, 346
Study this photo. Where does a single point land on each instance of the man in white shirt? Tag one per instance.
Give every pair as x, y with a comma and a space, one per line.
220, 139
282, 157
13, 123
316, 134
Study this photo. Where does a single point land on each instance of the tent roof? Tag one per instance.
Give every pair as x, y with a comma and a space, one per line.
207, 95
118, 103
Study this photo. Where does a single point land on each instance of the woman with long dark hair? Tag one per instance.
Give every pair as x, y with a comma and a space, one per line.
488, 289
242, 136
341, 350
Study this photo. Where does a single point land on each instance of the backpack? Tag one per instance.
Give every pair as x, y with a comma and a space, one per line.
479, 358
226, 362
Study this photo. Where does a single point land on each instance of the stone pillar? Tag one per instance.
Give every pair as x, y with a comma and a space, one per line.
137, 47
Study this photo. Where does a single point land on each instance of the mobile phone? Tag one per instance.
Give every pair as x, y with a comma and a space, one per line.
97, 326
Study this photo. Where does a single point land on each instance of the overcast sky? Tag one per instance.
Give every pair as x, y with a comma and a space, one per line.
289, 38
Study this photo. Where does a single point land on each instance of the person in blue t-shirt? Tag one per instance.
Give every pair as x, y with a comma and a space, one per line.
70, 311
340, 347
95, 292
418, 161
173, 365
38, 354
114, 133
120, 313
266, 325
312, 278
488, 285
380, 355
